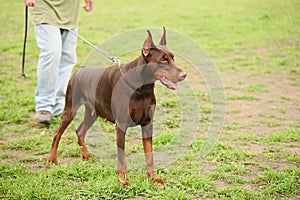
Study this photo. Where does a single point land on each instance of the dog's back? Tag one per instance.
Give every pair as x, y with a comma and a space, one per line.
90, 86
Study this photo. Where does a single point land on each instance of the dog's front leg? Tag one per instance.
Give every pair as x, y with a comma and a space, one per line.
121, 156
147, 144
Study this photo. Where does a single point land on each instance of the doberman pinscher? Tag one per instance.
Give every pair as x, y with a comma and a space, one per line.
122, 94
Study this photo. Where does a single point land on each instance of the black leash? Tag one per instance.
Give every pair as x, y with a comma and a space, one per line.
24, 44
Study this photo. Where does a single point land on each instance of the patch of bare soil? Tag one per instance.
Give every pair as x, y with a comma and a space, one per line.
275, 109
34, 162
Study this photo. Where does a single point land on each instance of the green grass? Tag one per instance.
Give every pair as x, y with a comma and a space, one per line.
254, 44
248, 97
255, 88
283, 182
284, 136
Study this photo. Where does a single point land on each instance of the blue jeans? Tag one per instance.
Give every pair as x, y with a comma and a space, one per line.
56, 61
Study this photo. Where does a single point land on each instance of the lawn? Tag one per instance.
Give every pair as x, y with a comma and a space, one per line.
231, 131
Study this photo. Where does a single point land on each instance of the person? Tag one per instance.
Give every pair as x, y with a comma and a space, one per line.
57, 57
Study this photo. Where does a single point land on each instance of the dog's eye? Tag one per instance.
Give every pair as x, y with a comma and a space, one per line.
164, 60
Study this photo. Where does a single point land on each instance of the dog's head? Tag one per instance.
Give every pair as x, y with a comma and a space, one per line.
160, 61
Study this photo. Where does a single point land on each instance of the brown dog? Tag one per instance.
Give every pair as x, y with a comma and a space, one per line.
122, 94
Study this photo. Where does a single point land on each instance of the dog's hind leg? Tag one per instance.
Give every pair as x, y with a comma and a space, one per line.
89, 118
66, 118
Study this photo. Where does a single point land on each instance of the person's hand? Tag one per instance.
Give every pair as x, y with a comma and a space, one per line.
29, 3
89, 5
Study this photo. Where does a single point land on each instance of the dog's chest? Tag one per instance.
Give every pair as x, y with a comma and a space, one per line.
140, 116
141, 110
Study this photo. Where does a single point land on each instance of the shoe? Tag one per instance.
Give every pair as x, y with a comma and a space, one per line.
43, 117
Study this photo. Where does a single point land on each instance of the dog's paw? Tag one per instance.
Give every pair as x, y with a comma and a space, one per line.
86, 155
124, 183
51, 160
158, 181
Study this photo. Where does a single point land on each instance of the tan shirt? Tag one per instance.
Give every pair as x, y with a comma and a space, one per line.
61, 13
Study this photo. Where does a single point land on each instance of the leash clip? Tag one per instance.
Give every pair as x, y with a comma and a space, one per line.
118, 62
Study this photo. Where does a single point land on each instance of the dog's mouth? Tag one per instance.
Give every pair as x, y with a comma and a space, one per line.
169, 84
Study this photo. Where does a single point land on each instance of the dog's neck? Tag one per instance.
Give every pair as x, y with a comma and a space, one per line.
138, 62
136, 76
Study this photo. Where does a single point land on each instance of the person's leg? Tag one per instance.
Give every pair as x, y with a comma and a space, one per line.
49, 42
67, 62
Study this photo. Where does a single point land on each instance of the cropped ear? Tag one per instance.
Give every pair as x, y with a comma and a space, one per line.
148, 45
163, 40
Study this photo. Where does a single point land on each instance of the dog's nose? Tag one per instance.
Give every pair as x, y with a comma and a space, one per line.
182, 75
